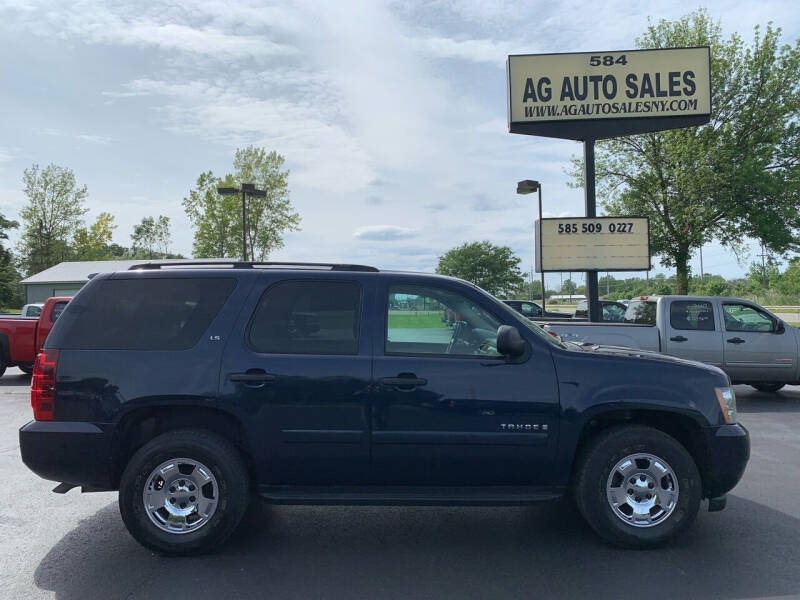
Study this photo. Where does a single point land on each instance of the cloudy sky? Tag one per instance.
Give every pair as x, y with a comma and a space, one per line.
391, 116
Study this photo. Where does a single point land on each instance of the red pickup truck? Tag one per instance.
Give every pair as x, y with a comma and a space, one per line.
21, 338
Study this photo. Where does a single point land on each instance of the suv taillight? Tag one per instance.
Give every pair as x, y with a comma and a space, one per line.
43, 384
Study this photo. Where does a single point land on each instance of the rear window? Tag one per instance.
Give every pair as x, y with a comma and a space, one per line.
143, 314
641, 312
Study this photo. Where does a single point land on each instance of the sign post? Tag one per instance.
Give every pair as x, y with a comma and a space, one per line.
588, 96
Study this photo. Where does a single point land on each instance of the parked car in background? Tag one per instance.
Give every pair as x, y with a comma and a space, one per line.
532, 310
32, 310
189, 389
610, 311
752, 345
22, 337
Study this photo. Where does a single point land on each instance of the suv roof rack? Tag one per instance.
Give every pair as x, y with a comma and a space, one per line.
237, 264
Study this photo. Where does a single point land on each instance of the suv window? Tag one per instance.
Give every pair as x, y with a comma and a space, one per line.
742, 317
642, 312
431, 320
691, 315
307, 317
143, 314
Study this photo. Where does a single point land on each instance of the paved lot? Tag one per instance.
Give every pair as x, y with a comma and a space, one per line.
75, 546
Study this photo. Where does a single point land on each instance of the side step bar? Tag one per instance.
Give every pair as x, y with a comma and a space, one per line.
409, 496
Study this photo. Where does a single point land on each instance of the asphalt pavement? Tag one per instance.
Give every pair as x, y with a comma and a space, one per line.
74, 546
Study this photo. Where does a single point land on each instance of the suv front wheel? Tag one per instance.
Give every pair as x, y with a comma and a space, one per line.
184, 492
637, 487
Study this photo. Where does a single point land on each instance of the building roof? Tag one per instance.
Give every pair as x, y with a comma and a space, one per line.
79, 271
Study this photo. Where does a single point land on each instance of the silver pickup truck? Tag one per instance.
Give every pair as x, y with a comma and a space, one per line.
748, 342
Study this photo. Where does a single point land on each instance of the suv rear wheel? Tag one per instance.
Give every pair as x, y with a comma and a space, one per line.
637, 486
184, 492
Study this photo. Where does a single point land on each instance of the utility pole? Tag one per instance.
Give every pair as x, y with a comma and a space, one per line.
701, 262
763, 266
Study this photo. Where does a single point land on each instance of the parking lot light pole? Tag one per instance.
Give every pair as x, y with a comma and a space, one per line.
528, 186
247, 188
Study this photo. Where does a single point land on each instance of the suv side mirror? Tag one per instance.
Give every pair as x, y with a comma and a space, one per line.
780, 327
509, 341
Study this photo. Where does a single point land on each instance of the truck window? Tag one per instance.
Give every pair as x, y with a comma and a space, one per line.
307, 317
58, 308
743, 317
691, 315
142, 314
641, 312
431, 320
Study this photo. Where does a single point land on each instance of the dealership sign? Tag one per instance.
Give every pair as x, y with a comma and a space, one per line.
591, 95
593, 244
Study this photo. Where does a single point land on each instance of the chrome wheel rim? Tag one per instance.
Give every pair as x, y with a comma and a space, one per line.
642, 490
181, 495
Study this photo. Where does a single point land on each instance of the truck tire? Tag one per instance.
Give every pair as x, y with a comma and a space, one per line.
27, 369
2, 367
636, 486
769, 388
184, 492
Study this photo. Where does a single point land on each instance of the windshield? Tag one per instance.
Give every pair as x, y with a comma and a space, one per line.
529, 324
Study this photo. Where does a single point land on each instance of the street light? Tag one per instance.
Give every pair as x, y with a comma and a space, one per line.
247, 188
528, 186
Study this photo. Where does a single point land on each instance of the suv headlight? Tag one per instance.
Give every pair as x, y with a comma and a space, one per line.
727, 403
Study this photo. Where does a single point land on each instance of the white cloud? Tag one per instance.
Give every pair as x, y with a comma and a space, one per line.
383, 233
94, 139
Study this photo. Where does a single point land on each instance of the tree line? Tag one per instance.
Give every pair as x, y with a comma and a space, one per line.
496, 269
52, 226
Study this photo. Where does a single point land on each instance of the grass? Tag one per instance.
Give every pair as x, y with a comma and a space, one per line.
10, 311
415, 320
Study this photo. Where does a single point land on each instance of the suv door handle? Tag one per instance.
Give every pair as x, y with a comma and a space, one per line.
736, 340
252, 377
678, 338
403, 382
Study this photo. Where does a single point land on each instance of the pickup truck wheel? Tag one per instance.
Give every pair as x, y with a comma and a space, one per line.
27, 369
184, 492
637, 487
769, 388
2, 367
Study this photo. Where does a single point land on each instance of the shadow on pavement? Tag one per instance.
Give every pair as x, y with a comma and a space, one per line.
761, 402
748, 550
15, 378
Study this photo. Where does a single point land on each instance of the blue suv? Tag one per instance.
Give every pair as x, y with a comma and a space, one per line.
191, 387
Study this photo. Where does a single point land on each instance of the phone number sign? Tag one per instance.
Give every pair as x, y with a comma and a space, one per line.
593, 244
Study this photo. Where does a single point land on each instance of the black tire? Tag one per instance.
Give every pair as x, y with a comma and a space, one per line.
2, 367
594, 467
27, 369
226, 465
769, 388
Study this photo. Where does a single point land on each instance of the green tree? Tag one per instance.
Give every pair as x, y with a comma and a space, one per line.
737, 176
51, 217
10, 291
270, 216
216, 219
93, 242
569, 287
493, 268
151, 237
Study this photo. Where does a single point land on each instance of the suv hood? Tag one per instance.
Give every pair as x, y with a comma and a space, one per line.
650, 355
